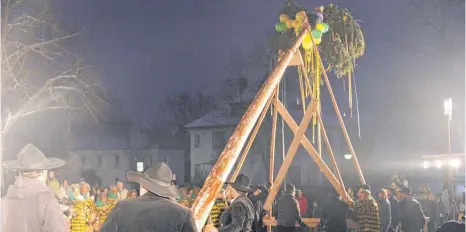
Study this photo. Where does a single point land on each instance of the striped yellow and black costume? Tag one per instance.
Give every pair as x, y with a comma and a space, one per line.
367, 212
217, 210
102, 211
82, 210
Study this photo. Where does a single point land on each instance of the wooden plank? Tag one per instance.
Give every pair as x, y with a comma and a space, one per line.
310, 149
340, 119
227, 159
248, 145
311, 222
332, 157
299, 134
272, 149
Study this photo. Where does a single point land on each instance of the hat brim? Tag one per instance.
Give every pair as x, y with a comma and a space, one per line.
50, 163
238, 187
154, 186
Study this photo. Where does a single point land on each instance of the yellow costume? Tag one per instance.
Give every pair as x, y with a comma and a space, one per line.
82, 210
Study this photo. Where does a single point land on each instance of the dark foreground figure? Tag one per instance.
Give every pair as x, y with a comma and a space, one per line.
155, 210
29, 205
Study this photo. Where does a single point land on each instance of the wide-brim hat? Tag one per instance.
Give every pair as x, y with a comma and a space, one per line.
290, 188
241, 183
30, 158
156, 179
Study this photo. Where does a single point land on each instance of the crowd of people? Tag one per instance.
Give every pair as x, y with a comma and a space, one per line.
37, 201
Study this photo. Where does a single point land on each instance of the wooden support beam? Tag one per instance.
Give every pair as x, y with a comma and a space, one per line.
272, 149
310, 149
248, 145
332, 157
299, 135
340, 119
311, 222
227, 159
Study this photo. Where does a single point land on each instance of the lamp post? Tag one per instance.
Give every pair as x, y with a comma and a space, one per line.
448, 111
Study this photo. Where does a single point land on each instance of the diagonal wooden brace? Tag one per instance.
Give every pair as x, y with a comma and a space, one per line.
310, 149
330, 153
249, 144
299, 134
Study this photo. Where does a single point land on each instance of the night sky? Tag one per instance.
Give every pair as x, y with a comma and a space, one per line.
145, 50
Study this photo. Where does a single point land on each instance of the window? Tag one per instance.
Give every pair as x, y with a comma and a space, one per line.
117, 161
83, 161
218, 140
197, 140
99, 161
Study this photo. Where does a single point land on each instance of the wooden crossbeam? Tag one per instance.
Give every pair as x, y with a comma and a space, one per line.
310, 149
311, 222
299, 135
272, 148
332, 157
227, 159
338, 113
249, 144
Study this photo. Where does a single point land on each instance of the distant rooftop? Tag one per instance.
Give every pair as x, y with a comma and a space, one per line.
217, 118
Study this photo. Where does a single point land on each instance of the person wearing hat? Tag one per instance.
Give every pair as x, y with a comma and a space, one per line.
334, 210
411, 214
393, 208
29, 205
155, 210
288, 211
365, 211
240, 214
385, 213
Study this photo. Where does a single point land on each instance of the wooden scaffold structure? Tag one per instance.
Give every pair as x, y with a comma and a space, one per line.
249, 126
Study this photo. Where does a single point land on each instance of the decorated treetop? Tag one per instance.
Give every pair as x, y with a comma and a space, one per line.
339, 34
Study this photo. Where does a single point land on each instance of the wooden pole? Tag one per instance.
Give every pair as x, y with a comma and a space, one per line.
272, 151
330, 153
310, 149
214, 182
290, 154
340, 119
248, 145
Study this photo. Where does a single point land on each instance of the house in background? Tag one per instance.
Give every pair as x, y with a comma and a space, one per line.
112, 165
209, 135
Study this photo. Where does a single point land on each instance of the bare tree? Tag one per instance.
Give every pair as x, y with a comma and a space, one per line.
40, 70
178, 110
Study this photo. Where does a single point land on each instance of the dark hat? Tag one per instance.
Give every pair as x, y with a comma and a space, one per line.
451, 226
157, 179
389, 188
30, 158
365, 187
290, 188
405, 190
241, 183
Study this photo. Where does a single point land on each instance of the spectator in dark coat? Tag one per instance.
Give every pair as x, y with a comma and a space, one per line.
394, 209
334, 214
385, 214
240, 214
288, 211
29, 205
150, 211
452, 226
411, 215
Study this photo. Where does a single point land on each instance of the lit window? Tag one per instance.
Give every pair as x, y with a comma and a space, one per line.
197, 140
83, 161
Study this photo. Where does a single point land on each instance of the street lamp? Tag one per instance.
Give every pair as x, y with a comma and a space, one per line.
348, 156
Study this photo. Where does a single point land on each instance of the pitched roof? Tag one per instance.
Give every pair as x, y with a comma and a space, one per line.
217, 118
